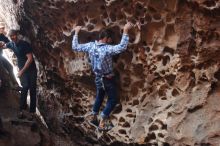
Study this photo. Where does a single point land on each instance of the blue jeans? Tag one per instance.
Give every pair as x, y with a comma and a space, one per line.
108, 87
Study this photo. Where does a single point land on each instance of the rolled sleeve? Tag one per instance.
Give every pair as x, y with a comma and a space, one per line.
80, 47
120, 47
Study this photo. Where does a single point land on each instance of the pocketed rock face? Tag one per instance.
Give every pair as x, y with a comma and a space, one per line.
169, 75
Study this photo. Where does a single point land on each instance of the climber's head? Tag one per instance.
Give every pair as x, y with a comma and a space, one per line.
13, 34
106, 36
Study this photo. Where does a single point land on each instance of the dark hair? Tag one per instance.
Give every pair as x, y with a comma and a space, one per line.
13, 32
105, 33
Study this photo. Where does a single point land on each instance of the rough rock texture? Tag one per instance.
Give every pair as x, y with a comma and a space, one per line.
15, 132
169, 76
23, 132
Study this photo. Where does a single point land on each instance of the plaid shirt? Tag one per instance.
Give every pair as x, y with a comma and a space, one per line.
100, 54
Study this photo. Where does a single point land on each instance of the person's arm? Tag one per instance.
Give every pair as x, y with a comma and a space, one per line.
5, 39
4, 45
28, 53
27, 64
75, 44
112, 50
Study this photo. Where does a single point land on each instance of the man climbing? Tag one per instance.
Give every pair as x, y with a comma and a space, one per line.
100, 55
27, 71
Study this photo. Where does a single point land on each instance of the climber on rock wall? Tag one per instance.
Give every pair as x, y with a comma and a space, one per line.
100, 54
27, 71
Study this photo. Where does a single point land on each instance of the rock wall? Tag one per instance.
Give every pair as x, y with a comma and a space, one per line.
15, 132
168, 77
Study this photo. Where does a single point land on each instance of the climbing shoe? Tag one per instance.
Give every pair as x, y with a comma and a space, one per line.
92, 118
105, 124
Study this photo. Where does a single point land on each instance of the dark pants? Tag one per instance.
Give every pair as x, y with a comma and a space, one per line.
28, 82
109, 88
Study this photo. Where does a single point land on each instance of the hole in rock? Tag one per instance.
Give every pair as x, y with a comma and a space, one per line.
166, 144
151, 9
121, 119
148, 49
15, 1
160, 135
135, 102
166, 59
112, 17
130, 115
157, 16
168, 50
209, 3
163, 98
170, 79
153, 128
122, 131
142, 20
150, 120
90, 27
143, 97
175, 92
128, 110
217, 74
126, 125
159, 57
138, 6
151, 136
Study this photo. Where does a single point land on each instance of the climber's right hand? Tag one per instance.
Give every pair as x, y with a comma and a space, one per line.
77, 29
128, 26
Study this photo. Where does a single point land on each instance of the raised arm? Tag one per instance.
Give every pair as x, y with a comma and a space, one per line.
124, 41
75, 44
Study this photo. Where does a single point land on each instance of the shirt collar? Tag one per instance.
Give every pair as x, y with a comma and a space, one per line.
99, 44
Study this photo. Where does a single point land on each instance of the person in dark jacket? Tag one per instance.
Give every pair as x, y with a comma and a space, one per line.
27, 71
